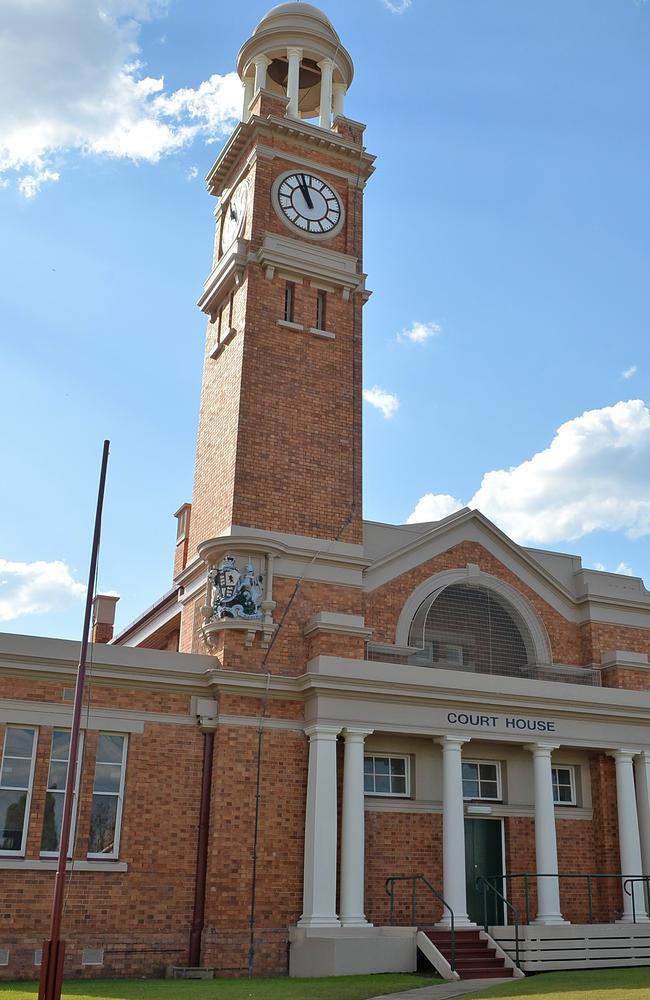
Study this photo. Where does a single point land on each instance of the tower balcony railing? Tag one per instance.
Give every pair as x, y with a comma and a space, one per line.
563, 673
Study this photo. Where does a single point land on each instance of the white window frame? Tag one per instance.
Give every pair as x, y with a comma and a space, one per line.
101, 855
407, 773
485, 798
572, 780
75, 794
28, 800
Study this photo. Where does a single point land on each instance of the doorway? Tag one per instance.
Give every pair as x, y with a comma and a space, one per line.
483, 856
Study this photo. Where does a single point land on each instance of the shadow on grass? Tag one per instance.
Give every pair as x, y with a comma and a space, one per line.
278, 988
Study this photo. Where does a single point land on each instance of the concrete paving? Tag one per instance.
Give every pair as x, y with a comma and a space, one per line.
444, 991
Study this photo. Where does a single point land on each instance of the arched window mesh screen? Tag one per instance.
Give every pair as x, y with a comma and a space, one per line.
472, 628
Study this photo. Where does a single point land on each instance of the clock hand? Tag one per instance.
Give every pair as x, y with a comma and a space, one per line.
305, 191
233, 214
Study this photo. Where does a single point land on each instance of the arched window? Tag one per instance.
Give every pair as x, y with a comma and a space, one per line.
470, 626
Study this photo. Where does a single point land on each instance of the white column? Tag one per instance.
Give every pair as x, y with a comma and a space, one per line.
453, 832
319, 888
352, 831
548, 889
326, 70
628, 834
249, 89
294, 55
261, 65
642, 784
338, 90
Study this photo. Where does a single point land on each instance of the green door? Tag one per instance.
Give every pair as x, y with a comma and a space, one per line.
483, 856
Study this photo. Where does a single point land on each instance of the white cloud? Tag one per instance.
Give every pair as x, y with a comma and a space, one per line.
433, 507
71, 82
192, 174
418, 332
387, 402
396, 6
36, 588
630, 372
594, 476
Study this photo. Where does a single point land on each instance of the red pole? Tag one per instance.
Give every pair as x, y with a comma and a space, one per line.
54, 948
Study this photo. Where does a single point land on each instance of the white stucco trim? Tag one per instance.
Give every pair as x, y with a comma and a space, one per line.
434, 586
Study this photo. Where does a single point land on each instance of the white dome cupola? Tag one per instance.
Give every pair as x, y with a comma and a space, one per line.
295, 52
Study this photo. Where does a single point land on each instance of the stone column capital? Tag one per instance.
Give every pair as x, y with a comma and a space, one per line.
326, 64
294, 52
624, 754
541, 749
261, 60
322, 731
356, 734
451, 742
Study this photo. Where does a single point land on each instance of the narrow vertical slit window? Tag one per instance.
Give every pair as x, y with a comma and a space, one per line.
108, 794
16, 778
220, 325
231, 306
56, 779
321, 300
289, 301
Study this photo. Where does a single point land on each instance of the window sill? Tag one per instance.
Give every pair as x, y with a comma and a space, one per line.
290, 325
50, 865
222, 343
326, 334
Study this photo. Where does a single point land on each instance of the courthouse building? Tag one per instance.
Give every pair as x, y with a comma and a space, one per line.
325, 714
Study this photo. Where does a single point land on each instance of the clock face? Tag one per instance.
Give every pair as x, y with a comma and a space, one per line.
308, 203
234, 215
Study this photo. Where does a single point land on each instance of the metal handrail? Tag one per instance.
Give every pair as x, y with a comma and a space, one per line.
645, 881
589, 876
414, 879
482, 882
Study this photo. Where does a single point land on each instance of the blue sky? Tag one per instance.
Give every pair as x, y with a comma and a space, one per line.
506, 243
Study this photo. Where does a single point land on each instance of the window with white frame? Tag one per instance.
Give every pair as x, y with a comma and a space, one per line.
564, 785
481, 780
108, 793
386, 775
16, 777
55, 794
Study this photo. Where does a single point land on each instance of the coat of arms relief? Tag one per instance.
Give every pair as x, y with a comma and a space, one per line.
239, 596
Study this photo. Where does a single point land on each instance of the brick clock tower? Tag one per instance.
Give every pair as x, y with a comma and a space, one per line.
277, 490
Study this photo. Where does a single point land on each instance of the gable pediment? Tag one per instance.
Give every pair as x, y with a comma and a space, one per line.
399, 550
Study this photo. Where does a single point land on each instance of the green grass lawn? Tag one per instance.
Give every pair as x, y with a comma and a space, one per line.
598, 984
335, 988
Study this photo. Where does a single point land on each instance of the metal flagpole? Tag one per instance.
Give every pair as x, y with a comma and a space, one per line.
54, 948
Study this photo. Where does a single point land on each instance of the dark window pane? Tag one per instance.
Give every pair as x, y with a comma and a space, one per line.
15, 772
470, 789
564, 794
102, 824
399, 785
19, 742
489, 772
60, 745
107, 778
382, 765
12, 817
52, 821
109, 749
488, 789
382, 783
57, 776
368, 783
470, 771
398, 765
